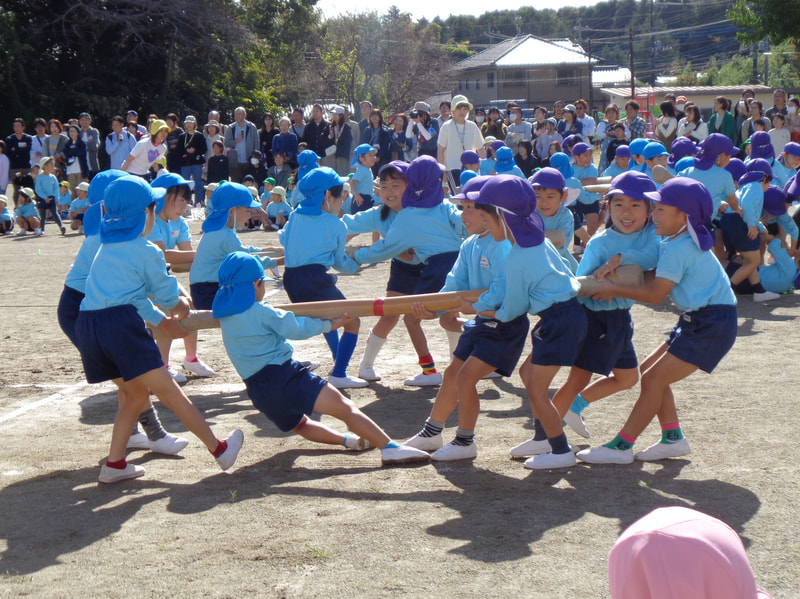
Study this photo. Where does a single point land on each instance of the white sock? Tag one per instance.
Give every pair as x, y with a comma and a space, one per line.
374, 345
452, 339
37, 231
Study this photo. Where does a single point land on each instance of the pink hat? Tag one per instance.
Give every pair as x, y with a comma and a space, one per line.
680, 553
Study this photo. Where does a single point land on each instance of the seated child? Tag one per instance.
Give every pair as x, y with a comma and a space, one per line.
78, 206
278, 210
6, 220
112, 338
26, 213
255, 336
691, 275
64, 200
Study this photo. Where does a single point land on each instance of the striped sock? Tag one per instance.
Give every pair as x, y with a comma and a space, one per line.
464, 437
428, 365
671, 433
432, 428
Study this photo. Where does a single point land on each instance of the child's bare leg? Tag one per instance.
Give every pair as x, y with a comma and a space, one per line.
592, 224
752, 260
447, 398
416, 334
450, 321
537, 388
161, 384
385, 325
719, 246
164, 343
582, 234
525, 370
133, 400
576, 381
318, 432
331, 402
656, 397
619, 380
467, 377
190, 344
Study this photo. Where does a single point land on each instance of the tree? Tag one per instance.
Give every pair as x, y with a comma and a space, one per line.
776, 19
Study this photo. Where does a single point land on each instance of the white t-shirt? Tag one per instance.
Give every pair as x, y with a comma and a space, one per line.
457, 139
145, 154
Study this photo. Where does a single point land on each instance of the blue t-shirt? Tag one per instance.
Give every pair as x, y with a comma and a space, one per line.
26, 210
586, 172
751, 201
79, 271
564, 221
170, 232
699, 278
316, 239
212, 249
282, 208
778, 277
79, 204
717, 181
614, 169
6, 214
66, 199
480, 264
364, 180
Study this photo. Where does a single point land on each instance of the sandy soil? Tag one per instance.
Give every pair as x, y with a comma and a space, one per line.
298, 520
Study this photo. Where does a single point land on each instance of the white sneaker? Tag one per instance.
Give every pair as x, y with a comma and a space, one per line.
660, 451
168, 444
354, 442
452, 452
312, 366
22, 232
228, 457
347, 382
765, 296
113, 475
368, 373
199, 368
492, 375
176, 376
425, 443
547, 461
424, 380
402, 455
138, 441
606, 455
275, 272
530, 447
575, 422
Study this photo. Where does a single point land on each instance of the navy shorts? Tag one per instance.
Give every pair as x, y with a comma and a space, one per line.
404, 277
114, 343
580, 210
69, 306
559, 334
734, 234
499, 344
712, 226
703, 337
434, 273
310, 283
365, 205
203, 294
284, 393
608, 343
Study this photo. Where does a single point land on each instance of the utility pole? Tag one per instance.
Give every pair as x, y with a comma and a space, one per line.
591, 85
633, 75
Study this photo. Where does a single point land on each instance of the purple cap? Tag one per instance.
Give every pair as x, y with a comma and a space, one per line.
424, 183
711, 148
474, 184
515, 199
774, 201
497, 144
399, 165
792, 148
470, 157
622, 152
682, 146
761, 145
653, 149
792, 189
561, 163
549, 178
692, 198
566, 145
637, 145
633, 184
736, 168
759, 165
580, 148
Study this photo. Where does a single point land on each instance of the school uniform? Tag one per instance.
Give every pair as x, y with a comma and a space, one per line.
614, 169
6, 221
538, 282
364, 184
256, 342
170, 232
79, 204
781, 173
609, 337
481, 263
588, 203
69, 304
282, 208
707, 328
735, 228
121, 280
716, 180
563, 220
26, 211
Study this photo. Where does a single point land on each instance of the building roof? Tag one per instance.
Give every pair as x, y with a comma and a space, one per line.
527, 50
716, 90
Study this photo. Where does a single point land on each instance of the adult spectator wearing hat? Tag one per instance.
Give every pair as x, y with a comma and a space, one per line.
133, 117
424, 129
212, 131
192, 149
459, 135
90, 137
147, 151
241, 140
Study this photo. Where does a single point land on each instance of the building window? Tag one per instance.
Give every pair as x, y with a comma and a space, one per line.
477, 84
567, 77
466, 84
513, 78
460, 85
490, 79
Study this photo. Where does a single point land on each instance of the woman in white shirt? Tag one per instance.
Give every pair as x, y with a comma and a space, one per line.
692, 125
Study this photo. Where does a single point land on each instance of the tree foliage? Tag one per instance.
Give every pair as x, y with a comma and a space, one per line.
777, 20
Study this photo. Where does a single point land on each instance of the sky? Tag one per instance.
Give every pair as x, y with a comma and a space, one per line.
440, 8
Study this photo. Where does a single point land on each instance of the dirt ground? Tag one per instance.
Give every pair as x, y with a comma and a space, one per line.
294, 519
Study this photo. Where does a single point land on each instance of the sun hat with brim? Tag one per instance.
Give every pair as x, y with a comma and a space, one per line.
270, 181
682, 146
472, 184
580, 148
306, 161
360, 150
792, 148
622, 152
489, 139
237, 273
692, 198
653, 150
65, 184
570, 108
4, 198
214, 124
228, 195
504, 160
774, 201
469, 157
397, 165
97, 189
190, 119
638, 145
515, 199
459, 100
45, 160
422, 107
125, 202
465, 176
761, 145
83, 186
157, 126
28, 192
423, 183
281, 191
633, 184
561, 163
313, 186
736, 168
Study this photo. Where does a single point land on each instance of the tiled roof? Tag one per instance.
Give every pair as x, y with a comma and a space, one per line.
527, 50
687, 90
